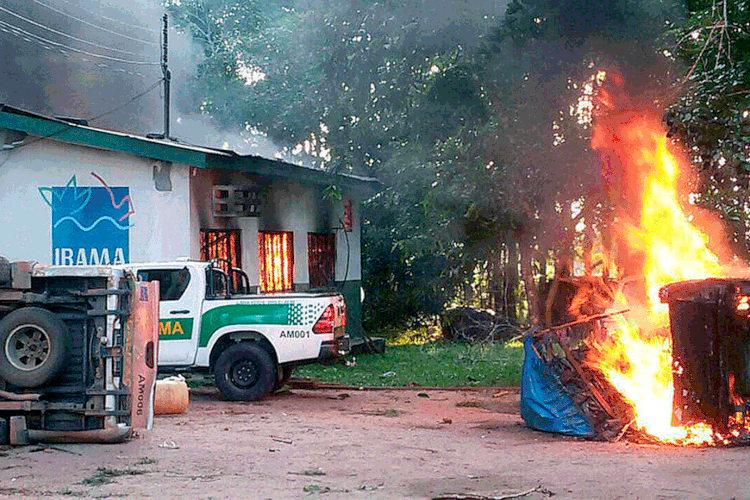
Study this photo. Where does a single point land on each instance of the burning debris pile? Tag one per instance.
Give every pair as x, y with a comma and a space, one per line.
557, 357
668, 357
708, 346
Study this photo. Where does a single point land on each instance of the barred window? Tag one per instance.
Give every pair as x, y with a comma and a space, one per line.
321, 259
222, 244
276, 255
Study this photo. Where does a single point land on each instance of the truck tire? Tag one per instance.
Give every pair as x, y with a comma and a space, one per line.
245, 372
283, 376
34, 344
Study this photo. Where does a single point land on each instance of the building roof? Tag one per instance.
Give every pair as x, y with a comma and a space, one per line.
78, 132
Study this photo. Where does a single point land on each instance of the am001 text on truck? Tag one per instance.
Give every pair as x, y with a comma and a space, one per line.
251, 342
77, 353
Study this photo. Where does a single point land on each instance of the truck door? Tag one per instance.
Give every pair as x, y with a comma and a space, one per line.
181, 295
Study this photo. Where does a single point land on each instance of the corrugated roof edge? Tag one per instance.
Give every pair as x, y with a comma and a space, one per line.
189, 154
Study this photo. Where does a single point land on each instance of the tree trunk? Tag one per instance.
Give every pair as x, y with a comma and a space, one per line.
511, 277
527, 275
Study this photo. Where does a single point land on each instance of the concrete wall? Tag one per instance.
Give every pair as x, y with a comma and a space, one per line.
81, 198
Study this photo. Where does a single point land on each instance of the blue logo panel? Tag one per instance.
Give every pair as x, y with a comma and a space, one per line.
90, 225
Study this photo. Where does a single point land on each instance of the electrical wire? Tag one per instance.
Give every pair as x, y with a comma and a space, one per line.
134, 98
93, 25
92, 54
348, 252
94, 118
63, 34
45, 46
117, 21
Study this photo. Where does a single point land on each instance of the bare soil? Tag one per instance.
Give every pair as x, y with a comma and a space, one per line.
368, 444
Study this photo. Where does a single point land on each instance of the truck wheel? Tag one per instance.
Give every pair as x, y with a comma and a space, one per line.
285, 373
35, 344
245, 372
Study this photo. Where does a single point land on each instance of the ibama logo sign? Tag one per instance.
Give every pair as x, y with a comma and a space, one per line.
90, 225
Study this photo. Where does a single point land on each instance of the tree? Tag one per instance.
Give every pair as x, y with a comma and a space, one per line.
468, 117
537, 72
712, 114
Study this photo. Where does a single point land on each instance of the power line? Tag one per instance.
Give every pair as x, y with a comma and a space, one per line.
134, 98
83, 21
63, 34
117, 21
67, 127
92, 54
45, 46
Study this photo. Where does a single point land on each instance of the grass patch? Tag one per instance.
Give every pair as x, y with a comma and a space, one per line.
469, 404
435, 364
380, 413
145, 461
106, 475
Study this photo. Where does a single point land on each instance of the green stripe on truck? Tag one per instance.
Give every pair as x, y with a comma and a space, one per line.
242, 314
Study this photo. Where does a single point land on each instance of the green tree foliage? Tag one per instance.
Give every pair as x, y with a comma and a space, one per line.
712, 115
224, 30
464, 109
380, 84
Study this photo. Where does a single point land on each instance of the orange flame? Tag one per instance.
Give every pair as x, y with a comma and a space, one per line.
736, 400
644, 172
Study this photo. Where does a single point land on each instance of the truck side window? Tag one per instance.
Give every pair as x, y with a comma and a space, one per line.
172, 282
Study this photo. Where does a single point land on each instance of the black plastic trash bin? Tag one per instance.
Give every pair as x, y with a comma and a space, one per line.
710, 338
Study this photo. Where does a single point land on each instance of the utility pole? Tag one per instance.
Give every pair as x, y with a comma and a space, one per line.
167, 75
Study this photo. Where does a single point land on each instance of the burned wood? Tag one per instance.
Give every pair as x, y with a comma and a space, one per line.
624, 430
562, 340
56, 448
565, 326
597, 400
470, 496
577, 367
280, 440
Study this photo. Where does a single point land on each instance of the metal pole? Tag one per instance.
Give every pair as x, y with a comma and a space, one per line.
167, 76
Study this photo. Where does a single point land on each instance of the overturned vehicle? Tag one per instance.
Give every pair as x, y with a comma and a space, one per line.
77, 353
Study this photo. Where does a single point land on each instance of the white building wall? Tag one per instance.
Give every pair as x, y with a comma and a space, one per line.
31, 175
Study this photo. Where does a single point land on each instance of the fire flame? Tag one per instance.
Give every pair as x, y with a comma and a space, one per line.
645, 173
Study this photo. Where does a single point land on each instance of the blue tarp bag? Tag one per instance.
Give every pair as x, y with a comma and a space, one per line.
545, 405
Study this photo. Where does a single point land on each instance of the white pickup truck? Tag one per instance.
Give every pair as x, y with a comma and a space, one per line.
250, 341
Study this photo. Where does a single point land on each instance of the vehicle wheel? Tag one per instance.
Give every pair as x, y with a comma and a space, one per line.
35, 344
245, 372
283, 376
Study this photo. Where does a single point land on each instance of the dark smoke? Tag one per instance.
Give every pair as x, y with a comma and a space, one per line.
43, 74
50, 73
48, 68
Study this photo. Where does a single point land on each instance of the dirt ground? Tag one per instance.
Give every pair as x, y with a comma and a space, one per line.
391, 444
